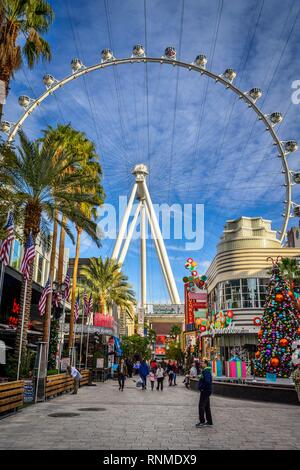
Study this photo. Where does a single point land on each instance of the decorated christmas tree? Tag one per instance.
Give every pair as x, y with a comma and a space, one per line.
279, 328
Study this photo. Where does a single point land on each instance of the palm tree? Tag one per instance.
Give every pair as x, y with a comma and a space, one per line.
175, 331
93, 169
38, 183
65, 137
108, 284
290, 271
22, 19
76, 142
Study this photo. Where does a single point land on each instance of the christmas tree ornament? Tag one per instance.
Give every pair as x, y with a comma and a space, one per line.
279, 298
279, 326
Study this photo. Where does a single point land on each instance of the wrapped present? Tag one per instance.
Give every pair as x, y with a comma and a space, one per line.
235, 369
216, 368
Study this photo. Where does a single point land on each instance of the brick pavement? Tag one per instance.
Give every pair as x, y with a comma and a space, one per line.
137, 419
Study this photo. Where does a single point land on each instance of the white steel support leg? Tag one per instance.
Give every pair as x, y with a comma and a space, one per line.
143, 255
129, 235
159, 255
175, 295
124, 223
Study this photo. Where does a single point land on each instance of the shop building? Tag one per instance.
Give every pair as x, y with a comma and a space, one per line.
237, 280
161, 318
10, 306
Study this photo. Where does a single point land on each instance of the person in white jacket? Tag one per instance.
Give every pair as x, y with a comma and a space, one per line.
73, 372
160, 375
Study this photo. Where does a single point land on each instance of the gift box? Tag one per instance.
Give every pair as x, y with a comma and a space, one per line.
235, 369
216, 368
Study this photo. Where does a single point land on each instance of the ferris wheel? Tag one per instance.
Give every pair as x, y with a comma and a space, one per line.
226, 79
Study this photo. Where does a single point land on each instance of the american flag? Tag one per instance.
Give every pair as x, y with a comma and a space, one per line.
67, 283
77, 308
28, 257
85, 302
90, 308
42, 303
90, 304
7, 242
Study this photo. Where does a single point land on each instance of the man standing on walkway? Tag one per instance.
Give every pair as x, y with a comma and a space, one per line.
205, 387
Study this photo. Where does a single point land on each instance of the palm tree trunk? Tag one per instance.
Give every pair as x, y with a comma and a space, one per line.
102, 305
74, 285
47, 316
61, 252
26, 317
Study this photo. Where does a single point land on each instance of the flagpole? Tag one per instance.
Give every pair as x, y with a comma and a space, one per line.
87, 345
73, 355
22, 327
61, 345
81, 338
1, 280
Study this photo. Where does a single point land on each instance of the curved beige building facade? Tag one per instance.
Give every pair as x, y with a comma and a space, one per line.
239, 274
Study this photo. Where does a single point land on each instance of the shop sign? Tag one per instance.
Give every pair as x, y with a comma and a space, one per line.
160, 339
165, 309
160, 351
190, 327
28, 396
64, 363
200, 313
100, 363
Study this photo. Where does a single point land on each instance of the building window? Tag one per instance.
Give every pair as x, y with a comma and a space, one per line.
239, 293
250, 293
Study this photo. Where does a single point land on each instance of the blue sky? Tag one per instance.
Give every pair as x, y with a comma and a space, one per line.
205, 146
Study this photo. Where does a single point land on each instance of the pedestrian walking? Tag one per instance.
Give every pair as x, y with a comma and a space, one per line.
296, 378
73, 372
205, 388
170, 373
129, 366
122, 372
136, 367
160, 375
153, 364
186, 381
152, 378
144, 372
193, 371
175, 372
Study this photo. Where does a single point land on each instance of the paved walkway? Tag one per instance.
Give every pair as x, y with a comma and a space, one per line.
136, 419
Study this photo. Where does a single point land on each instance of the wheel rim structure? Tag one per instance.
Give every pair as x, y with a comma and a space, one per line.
12, 129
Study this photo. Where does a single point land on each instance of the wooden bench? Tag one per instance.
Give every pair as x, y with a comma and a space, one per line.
11, 396
60, 383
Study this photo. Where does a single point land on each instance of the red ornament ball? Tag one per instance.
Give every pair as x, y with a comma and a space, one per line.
257, 354
274, 362
260, 333
283, 342
229, 313
279, 298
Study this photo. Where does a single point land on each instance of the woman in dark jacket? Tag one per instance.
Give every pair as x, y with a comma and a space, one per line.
122, 372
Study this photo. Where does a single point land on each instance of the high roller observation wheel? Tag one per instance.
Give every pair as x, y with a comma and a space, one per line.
199, 65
